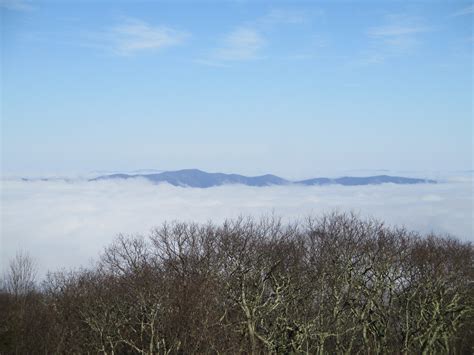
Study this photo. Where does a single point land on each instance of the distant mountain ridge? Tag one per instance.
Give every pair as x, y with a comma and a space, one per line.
202, 179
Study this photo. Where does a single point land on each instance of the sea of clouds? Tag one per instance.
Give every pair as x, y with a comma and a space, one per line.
67, 224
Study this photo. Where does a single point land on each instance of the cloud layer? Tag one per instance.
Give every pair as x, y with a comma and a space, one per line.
67, 224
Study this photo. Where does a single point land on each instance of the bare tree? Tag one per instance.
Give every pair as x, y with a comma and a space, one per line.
21, 275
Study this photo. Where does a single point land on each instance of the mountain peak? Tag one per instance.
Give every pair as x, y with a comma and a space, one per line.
202, 179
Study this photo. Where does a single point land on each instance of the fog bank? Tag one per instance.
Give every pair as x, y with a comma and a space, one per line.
67, 224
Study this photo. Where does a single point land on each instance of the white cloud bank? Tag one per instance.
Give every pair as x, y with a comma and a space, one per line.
65, 224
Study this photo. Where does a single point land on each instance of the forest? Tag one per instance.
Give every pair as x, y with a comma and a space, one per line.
336, 283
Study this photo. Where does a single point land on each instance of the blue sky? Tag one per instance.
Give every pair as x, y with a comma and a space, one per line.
284, 87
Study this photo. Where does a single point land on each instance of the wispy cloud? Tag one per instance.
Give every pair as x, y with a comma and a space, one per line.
283, 16
247, 41
17, 5
397, 30
241, 44
465, 11
133, 36
398, 36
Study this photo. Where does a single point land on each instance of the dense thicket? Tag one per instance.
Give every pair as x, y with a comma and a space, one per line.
337, 284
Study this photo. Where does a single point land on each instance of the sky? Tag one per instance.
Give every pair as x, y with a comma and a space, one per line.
285, 87
295, 88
